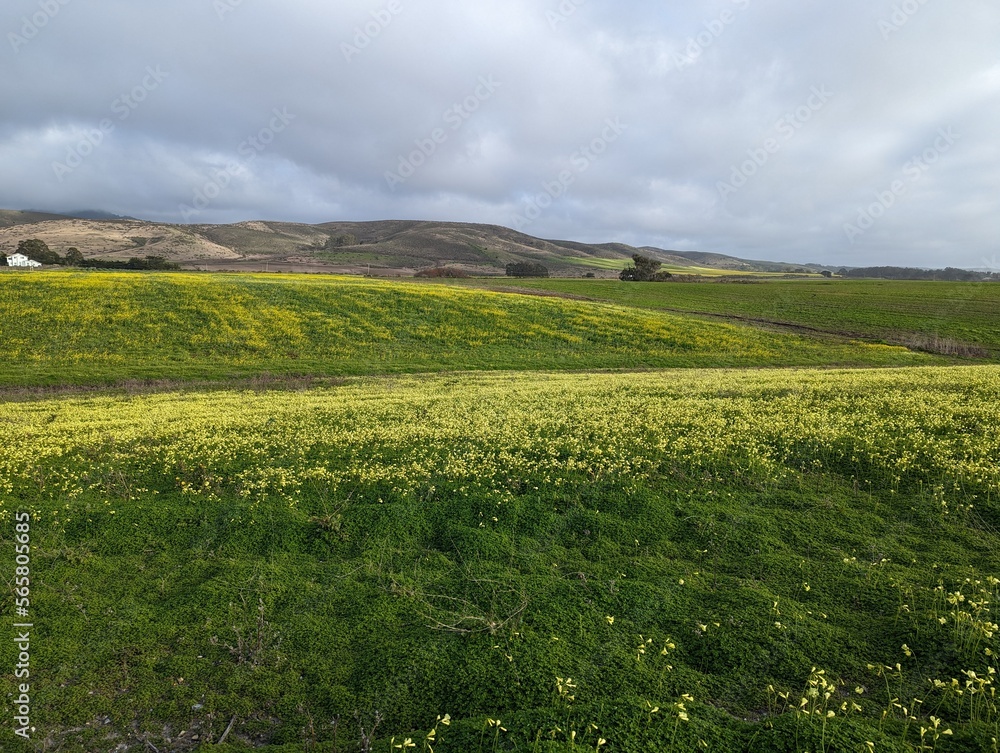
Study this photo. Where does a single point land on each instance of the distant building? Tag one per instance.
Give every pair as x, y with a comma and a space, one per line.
20, 260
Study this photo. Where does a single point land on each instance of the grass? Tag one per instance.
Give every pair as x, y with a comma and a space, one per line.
381, 259
619, 264
616, 265
922, 314
571, 550
86, 328
665, 561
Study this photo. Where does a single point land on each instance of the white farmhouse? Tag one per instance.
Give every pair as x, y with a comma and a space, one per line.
20, 260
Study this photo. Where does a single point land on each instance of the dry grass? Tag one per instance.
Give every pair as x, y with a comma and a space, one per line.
406, 246
945, 346
117, 240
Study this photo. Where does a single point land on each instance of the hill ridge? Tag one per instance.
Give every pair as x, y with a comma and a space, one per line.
395, 247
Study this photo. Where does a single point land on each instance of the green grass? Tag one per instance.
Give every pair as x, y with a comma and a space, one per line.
619, 264
98, 328
616, 265
919, 313
289, 564
677, 269
385, 260
691, 547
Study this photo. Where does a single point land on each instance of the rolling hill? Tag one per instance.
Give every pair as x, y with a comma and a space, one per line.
734, 264
92, 328
393, 247
12, 218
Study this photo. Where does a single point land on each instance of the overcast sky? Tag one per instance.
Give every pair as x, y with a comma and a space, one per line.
854, 132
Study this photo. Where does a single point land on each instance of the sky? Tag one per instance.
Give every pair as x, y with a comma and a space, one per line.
860, 132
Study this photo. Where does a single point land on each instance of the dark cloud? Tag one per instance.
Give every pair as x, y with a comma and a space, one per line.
809, 132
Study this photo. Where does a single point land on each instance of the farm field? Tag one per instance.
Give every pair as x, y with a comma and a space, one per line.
550, 539
617, 265
921, 314
88, 328
663, 561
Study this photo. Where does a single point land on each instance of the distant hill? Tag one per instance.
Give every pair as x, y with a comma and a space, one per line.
394, 247
721, 261
950, 274
95, 214
13, 217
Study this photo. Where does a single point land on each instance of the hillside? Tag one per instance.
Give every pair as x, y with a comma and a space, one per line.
394, 247
96, 327
13, 218
111, 239
732, 263
954, 318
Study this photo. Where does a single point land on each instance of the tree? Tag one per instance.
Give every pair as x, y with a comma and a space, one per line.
3, 260
826, 273
73, 257
527, 269
645, 270
339, 241
38, 251
150, 262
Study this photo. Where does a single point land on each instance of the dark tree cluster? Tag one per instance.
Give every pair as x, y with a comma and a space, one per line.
341, 241
527, 269
445, 272
949, 274
39, 251
146, 262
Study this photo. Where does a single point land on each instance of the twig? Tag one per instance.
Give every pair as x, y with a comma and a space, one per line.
228, 730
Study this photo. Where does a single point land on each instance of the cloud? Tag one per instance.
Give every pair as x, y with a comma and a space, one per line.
702, 88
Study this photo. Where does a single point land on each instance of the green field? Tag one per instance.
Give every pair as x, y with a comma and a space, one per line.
555, 543
619, 264
934, 315
99, 328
